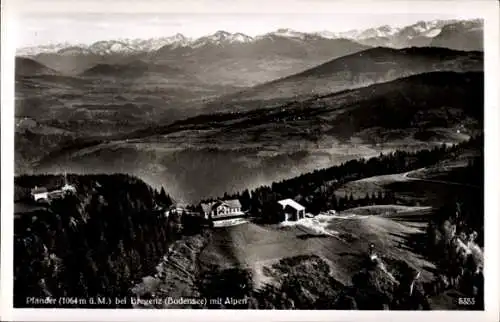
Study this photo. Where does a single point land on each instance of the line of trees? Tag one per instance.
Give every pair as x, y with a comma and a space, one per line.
456, 239
95, 243
316, 190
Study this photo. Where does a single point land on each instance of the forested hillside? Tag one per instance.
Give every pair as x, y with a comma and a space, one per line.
315, 190
95, 243
113, 233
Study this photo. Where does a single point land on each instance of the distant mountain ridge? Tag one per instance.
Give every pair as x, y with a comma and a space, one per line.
371, 66
462, 36
419, 34
224, 58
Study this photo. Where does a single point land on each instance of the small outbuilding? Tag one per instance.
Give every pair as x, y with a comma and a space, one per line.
293, 210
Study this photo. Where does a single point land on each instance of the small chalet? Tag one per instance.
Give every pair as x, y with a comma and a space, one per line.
222, 210
292, 209
39, 194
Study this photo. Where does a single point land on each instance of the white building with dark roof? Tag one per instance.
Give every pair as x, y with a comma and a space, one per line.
292, 209
223, 212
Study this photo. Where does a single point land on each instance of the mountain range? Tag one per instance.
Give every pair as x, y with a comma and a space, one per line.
421, 33
238, 60
222, 60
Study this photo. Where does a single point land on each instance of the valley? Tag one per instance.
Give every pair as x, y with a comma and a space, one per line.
238, 150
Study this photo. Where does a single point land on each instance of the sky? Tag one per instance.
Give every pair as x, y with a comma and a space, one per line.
39, 23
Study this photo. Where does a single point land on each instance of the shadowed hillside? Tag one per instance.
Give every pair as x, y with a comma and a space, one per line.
73, 61
30, 67
440, 100
364, 68
133, 69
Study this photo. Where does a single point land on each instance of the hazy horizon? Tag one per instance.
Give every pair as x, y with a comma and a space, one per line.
86, 28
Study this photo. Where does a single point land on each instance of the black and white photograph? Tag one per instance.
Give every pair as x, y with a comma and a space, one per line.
218, 160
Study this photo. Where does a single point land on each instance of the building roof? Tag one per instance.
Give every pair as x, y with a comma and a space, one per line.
291, 203
39, 190
233, 203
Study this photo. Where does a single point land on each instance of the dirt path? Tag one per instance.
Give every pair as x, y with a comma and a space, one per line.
408, 177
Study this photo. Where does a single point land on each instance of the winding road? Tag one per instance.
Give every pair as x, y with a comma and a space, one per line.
406, 175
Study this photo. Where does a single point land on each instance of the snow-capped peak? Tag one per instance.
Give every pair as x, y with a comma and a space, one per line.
220, 38
326, 34
288, 33
224, 36
106, 47
50, 48
241, 38
421, 26
220, 35
387, 30
177, 40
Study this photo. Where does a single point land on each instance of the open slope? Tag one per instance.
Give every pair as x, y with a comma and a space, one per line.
255, 247
435, 185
